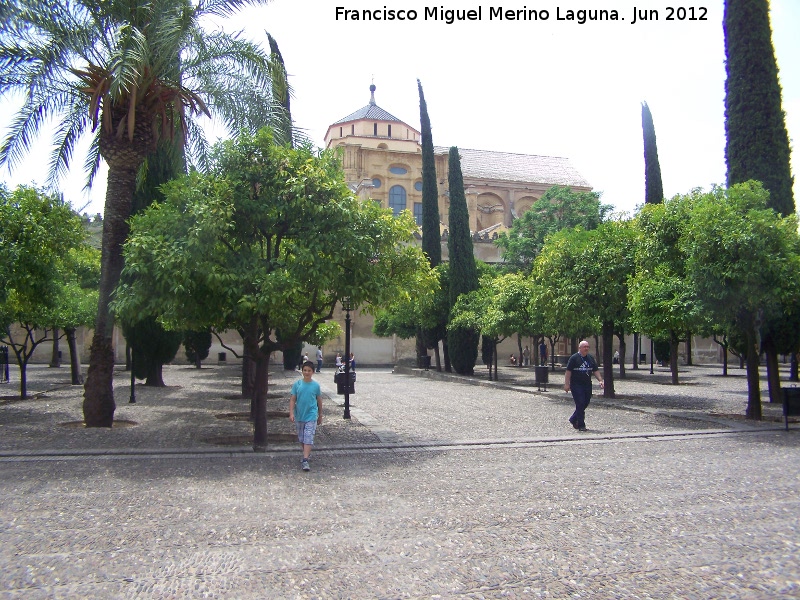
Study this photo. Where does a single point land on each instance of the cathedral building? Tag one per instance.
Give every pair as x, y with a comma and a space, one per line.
382, 160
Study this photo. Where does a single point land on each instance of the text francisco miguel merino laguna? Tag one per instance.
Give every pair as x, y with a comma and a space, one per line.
498, 13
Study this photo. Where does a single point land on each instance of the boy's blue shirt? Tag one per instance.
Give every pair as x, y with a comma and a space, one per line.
305, 408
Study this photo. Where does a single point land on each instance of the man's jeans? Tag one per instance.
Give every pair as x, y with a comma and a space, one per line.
581, 395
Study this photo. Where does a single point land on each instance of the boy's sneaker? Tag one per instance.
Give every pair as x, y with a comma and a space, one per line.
304, 464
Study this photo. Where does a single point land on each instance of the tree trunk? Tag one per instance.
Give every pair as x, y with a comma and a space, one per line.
74, 357
520, 358
753, 384
724, 358
23, 379
155, 371
420, 347
446, 351
438, 357
55, 358
260, 404
608, 359
98, 401
689, 348
250, 345
636, 351
622, 350
673, 356
23, 373
773, 371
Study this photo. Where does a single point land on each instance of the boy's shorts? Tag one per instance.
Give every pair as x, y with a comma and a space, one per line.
306, 431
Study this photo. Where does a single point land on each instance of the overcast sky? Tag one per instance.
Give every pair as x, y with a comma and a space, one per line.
549, 87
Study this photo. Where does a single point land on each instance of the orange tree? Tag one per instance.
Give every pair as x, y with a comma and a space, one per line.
272, 236
130, 72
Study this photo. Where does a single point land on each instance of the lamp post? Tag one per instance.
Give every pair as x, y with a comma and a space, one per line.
347, 306
133, 381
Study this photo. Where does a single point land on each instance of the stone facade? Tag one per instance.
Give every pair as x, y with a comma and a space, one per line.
382, 160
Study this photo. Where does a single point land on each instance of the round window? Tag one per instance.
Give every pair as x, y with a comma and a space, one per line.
418, 186
376, 183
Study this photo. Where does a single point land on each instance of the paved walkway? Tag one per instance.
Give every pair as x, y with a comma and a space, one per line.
435, 488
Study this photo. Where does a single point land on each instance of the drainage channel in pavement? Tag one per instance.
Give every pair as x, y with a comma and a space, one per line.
420, 446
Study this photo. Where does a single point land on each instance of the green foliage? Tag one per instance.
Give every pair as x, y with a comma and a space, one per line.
100, 52
425, 311
274, 233
45, 269
558, 208
661, 348
152, 347
38, 231
431, 235
653, 188
662, 298
499, 309
462, 342
197, 344
80, 276
743, 258
757, 145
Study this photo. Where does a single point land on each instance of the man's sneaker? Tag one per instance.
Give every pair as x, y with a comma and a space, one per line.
304, 464
581, 428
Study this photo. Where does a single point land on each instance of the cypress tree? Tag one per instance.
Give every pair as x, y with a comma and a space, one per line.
462, 343
431, 236
755, 127
197, 344
653, 189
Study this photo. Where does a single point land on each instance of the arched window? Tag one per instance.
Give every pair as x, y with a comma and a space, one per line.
397, 199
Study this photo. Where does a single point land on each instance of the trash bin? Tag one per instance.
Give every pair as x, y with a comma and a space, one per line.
791, 403
424, 362
4, 364
542, 377
339, 379
642, 357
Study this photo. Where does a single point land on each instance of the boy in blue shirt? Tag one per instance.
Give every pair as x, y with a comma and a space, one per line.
305, 410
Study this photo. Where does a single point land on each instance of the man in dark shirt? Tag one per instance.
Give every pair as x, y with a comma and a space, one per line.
578, 379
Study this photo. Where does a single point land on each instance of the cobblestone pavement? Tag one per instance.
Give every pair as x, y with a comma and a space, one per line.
435, 489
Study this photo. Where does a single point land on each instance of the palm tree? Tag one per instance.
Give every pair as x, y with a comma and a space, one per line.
108, 67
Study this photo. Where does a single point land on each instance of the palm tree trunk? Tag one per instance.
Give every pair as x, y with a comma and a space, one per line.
98, 399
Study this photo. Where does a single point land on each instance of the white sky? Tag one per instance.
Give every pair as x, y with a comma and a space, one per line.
548, 87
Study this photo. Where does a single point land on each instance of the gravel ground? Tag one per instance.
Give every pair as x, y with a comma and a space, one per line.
435, 489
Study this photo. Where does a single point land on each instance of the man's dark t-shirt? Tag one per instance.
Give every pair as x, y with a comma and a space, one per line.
582, 368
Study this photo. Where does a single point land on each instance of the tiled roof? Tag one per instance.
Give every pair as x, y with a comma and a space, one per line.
372, 112
506, 166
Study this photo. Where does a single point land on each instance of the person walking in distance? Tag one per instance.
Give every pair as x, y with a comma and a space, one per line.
305, 411
578, 379
319, 359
